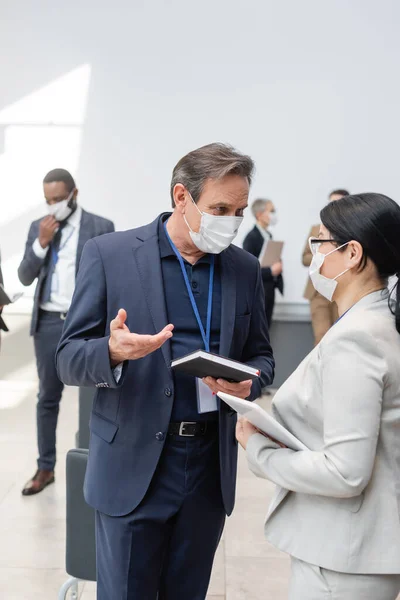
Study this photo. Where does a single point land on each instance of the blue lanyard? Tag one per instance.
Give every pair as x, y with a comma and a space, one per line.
206, 335
55, 253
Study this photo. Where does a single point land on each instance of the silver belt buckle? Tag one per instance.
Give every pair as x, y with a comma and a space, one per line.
63, 316
182, 428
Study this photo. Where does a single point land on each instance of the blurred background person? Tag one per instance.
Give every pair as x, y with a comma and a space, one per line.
265, 214
3, 326
52, 256
323, 312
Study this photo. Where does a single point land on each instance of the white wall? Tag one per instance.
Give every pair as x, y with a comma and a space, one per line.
310, 89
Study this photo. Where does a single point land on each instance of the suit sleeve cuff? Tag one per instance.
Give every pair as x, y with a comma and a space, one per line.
38, 250
259, 442
256, 390
255, 445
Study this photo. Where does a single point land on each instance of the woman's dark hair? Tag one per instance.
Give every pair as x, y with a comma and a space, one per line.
373, 220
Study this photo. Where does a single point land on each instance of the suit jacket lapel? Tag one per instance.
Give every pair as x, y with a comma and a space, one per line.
228, 309
148, 261
85, 234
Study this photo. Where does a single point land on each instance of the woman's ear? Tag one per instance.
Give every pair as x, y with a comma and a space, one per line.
355, 253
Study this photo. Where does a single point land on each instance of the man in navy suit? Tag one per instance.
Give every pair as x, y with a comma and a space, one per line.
162, 461
52, 256
265, 215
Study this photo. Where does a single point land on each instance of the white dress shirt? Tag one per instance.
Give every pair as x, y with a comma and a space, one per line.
264, 232
63, 280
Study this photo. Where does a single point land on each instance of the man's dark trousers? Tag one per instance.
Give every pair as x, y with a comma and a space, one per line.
45, 339
167, 544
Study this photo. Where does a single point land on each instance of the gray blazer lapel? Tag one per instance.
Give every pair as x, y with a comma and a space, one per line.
85, 234
228, 310
148, 261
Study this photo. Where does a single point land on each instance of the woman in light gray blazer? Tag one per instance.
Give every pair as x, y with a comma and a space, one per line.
337, 506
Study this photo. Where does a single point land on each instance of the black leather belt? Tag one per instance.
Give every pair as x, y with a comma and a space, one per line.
55, 314
193, 428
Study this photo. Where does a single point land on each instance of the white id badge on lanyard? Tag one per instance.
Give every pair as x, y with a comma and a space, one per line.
206, 401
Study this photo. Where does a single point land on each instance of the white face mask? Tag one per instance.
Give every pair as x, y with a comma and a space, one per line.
324, 285
273, 219
215, 233
60, 210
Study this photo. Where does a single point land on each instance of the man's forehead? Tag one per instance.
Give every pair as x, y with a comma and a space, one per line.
55, 188
227, 197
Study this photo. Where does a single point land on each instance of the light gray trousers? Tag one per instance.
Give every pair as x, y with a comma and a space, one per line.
309, 582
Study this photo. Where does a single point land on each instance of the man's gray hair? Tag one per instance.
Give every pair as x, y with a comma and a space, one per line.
259, 206
213, 161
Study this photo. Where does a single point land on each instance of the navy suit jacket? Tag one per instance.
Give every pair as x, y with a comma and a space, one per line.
33, 267
3, 326
254, 243
130, 419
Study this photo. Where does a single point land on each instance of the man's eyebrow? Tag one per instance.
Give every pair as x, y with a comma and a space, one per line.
225, 204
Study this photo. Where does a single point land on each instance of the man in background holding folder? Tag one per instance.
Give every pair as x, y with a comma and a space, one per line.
265, 214
163, 458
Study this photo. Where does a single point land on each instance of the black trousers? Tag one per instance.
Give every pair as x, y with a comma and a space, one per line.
165, 548
269, 301
46, 340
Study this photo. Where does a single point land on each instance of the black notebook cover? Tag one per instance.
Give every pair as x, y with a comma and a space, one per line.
203, 366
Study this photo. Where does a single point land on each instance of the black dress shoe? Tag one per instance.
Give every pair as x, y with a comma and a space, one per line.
39, 481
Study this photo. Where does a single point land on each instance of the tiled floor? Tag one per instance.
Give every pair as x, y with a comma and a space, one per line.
32, 530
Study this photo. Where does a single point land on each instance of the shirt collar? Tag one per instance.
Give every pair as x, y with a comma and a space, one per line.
264, 232
75, 218
165, 246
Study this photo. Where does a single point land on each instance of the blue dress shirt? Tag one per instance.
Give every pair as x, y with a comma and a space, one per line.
187, 337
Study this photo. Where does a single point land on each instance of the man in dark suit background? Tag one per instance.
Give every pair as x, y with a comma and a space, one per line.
265, 214
162, 461
52, 256
3, 326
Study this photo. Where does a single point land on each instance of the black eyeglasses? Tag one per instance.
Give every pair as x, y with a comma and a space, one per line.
315, 243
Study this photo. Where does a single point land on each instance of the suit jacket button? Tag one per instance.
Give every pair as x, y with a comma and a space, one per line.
168, 392
160, 436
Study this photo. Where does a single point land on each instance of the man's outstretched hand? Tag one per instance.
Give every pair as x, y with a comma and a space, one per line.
124, 345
